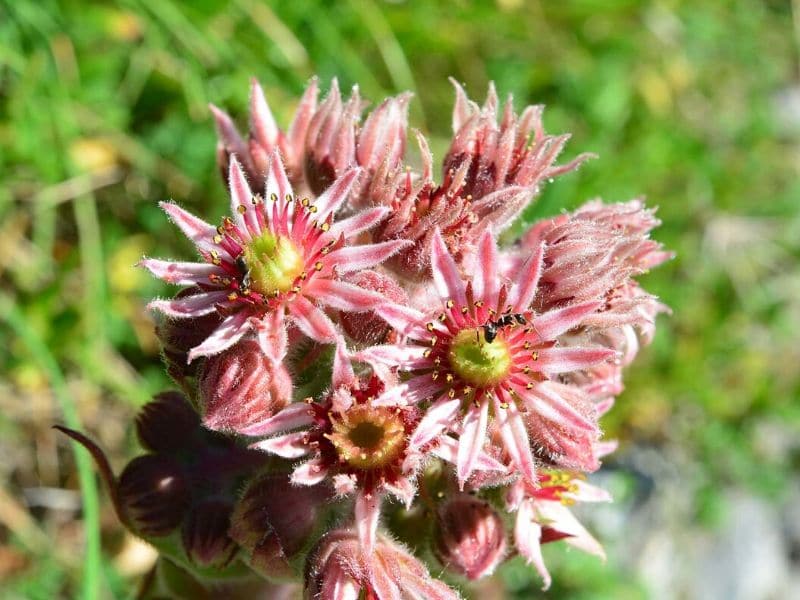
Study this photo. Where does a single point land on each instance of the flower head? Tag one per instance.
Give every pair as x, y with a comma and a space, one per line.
486, 359
274, 257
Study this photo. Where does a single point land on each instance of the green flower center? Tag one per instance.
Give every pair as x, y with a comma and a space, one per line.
477, 361
274, 263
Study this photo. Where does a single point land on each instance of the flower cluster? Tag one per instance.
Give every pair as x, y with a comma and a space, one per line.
353, 334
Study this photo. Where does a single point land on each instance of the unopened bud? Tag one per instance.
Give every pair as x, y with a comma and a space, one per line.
168, 424
205, 534
469, 537
153, 495
369, 328
338, 568
274, 519
242, 386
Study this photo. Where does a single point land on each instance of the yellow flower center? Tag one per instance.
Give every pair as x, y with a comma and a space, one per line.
274, 262
368, 437
478, 362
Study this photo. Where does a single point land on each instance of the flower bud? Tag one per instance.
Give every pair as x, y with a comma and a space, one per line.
153, 495
469, 537
205, 534
168, 424
274, 519
242, 386
339, 569
367, 327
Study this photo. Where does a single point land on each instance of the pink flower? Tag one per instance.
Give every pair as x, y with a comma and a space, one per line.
275, 257
542, 516
486, 359
339, 568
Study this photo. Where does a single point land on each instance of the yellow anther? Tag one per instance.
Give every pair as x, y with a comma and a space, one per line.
241, 209
318, 266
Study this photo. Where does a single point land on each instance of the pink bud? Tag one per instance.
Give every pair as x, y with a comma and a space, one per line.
369, 328
153, 495
273, 520
167, 424
242, 386
205, 534
339, 569
469, 537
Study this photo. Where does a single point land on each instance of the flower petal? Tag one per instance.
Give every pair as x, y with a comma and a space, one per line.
563, 360
445, 273
226, 335
555, 322
362, 221
312, 321
290, 445
342, 369
343, 296
180, 273
515, 439
367, 511
356, 258
295, 415
242, 209
527, 536
441, 414
332, 198
485, 280
311, 472
471, 440
188, 307
524, 292
198, 231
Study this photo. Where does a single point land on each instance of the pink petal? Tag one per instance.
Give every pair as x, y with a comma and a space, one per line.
515, 439
263, 124
297, 414
391, 355
226, 335
562, 520
463, 108
360, 222
302, 116
290, 445
198, 231
343, 296
485, 279
406, 320
586, 492
445, 273
447, 449
545, 400
524, 292
241, 195
188, 307
180, 273
342, 369
440, 415
312, 321
226, 130
271, 334
277, 181
357, 258
309, 473
605, 448
414, 390
402, 489
471, 439
555, 322
334, 196
563, 360
367, 511
527, 536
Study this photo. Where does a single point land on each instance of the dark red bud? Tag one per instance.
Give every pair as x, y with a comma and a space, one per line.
205, 534
168, 424
153, 495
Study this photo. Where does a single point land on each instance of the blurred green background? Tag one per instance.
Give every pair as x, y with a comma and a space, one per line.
695, 105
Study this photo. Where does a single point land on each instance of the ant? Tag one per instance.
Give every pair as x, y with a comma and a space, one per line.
491, 328
242, 264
